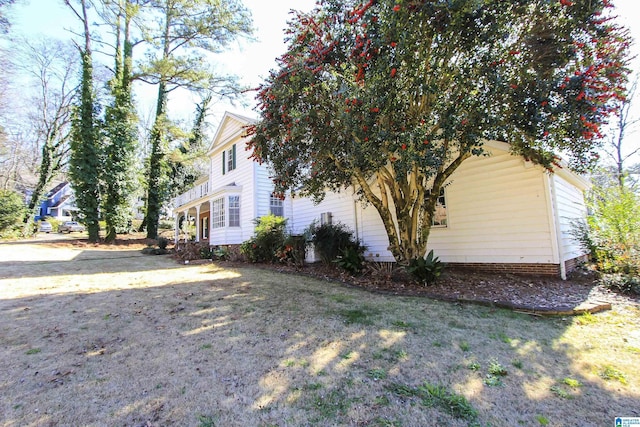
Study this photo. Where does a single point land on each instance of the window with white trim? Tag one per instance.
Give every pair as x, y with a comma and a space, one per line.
440, 213
218, 213
229, 159
234, 211
276, 205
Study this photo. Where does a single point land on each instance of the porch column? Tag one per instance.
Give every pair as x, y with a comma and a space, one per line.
177, 233
197, 223
210, 222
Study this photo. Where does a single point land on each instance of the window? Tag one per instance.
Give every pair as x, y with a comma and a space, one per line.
276, 205
234, 211
218, 213
440, 214
229, 159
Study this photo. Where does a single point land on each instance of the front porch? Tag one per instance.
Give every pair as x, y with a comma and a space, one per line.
214, 214
193, 205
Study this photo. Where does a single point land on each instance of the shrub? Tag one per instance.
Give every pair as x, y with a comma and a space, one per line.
330, 240
426, 270
221, 252
206, 252
163, 242
612, 232
351, 258
625, 283
268, 240
12, 210
55, 223
293, 251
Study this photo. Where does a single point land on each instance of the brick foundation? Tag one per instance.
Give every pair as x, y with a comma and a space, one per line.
512, 268
572, 264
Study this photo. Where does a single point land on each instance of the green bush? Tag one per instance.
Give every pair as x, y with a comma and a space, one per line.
55, 223
612, 231
269, 239
221, 253
206, 252
330, 240
426, 270
625, 283
351, 258
12, 211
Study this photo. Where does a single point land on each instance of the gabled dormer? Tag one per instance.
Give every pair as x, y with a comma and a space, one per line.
228, 147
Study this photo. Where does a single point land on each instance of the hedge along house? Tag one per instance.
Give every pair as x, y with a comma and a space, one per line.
496, 213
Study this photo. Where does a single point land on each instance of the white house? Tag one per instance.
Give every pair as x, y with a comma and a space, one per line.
236, 191
496, 213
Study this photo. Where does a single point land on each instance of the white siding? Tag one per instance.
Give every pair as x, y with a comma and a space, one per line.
242, 176
497, 211
341, 206
570, 206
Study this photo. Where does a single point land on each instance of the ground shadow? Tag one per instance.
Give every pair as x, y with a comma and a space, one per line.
255, 347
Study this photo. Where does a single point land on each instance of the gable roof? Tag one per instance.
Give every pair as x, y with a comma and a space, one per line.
62, 201
231, 125
57, 188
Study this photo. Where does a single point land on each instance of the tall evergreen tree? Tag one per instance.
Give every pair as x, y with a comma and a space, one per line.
84, 165
187, 30
120, 130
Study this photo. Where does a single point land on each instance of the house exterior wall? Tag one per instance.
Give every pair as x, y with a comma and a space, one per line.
59, 205
248, 179
503, 213
571, 206
222, 185
497, 213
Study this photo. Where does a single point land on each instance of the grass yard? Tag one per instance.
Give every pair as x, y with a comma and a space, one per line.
99, 337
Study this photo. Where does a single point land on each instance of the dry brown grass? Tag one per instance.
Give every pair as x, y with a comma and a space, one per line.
95, 336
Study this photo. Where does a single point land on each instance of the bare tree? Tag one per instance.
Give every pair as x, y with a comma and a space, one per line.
618, 148
51, 68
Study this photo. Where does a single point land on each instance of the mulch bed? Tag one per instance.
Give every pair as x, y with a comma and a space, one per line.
535, 295
578, 294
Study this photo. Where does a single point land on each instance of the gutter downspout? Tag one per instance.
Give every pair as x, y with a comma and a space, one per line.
355, 216
556, 224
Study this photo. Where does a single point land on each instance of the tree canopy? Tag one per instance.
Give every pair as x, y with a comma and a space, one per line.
391, 96
187, 30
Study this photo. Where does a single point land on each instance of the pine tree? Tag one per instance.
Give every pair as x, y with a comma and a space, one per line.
188, 29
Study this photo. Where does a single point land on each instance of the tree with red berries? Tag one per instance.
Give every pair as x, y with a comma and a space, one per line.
391, 96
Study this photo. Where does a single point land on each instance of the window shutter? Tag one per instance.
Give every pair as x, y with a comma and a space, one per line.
234, 156
224, 164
